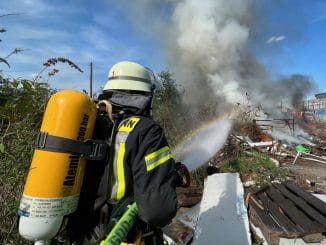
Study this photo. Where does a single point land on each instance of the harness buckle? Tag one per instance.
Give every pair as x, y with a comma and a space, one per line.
98, 151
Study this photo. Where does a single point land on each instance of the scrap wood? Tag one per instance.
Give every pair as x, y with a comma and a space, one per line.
189, 196
311, 199
245, 140
312, 155
271, 231
295, 212
249, 198
312, 158
282, 154
254, 191
238, 138
261, 144
296, 158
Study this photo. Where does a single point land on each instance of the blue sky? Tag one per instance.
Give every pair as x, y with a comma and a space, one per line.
290, 37
301, 26
81, 31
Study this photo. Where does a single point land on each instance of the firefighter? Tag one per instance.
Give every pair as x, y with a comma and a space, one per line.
143, 167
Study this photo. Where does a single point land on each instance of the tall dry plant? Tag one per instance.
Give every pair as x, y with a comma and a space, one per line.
52, 62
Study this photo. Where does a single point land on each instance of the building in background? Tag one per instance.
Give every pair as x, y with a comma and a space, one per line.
316, 106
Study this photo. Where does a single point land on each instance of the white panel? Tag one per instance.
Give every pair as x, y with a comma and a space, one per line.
222, 217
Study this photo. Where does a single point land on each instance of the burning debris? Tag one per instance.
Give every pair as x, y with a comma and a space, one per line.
268, 159
218, 69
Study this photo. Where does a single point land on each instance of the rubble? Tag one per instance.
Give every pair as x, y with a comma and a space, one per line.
301, 157
177, 233
311, 157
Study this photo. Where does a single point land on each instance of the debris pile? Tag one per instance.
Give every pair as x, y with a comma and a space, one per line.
281, 170
301, 154
287, 211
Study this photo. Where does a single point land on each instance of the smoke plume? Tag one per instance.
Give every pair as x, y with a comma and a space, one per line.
207, 44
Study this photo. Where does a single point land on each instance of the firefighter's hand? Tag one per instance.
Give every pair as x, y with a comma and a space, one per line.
183, 174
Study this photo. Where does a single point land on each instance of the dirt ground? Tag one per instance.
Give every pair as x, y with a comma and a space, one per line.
311, 175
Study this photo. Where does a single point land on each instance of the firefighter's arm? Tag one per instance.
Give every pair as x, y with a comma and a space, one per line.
155, 179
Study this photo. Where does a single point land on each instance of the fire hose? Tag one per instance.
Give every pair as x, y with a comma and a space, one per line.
122, 227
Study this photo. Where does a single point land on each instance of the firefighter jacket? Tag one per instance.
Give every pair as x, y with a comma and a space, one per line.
143, 167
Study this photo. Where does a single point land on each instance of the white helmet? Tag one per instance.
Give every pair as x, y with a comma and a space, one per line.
127, 75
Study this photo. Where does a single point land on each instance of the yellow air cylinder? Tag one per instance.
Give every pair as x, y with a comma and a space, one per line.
55, 178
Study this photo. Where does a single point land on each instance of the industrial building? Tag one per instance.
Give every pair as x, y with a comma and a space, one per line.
317, 106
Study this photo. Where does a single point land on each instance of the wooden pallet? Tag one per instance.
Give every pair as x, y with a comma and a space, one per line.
286, 210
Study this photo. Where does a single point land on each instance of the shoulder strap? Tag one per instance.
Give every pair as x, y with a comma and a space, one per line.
101, 205
104, 185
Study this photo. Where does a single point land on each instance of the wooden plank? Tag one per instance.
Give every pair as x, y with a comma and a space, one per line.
191, 190
313, 238
189, 196
299, 218
184, 201
307, 209
285, 223
312, 200
266, 218
256, 190
270, 229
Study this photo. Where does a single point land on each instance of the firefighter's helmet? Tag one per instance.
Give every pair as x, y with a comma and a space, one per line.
127, 75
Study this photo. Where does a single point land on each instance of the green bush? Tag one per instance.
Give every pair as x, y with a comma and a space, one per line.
169, 110
22, 103
21, 112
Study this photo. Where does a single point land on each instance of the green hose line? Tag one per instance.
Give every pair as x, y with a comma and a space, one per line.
122, 227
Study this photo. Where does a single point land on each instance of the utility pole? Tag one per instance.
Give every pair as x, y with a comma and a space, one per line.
91, 81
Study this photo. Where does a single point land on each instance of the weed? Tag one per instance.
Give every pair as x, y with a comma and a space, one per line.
255, 166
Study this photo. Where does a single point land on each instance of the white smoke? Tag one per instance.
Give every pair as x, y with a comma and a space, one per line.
210, 38
207, 47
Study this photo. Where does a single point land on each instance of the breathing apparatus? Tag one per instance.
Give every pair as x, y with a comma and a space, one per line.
64, 144
55, 176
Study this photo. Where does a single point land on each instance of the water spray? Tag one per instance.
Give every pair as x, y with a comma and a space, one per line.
203, 144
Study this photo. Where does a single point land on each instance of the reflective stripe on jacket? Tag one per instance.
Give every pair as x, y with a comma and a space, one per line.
143, 166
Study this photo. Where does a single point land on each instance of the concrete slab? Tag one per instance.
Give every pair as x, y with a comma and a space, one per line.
222, 215
321, 197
